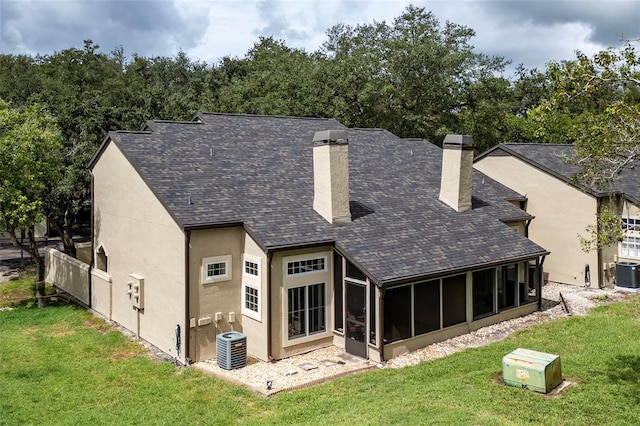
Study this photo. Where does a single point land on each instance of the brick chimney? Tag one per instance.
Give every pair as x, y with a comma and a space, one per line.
331, 176
457, 169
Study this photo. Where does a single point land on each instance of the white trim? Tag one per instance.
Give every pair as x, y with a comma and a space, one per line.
306, 334
305, 279
253, 259
106, 256
302, 258
249, 312
101, 274
206, 261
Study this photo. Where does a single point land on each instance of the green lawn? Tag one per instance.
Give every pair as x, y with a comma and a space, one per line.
59, 365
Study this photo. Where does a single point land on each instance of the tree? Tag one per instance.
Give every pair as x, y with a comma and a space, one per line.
414, 77
595, 105
274, 79
30, 160
605, 90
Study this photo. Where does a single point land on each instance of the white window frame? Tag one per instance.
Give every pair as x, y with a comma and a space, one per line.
216, 260
630, 247
256, 315
631, 224
252, 259
306, 279
303, 259
306, 334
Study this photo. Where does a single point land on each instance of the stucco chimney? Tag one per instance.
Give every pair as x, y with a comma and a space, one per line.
331, 176
457, 169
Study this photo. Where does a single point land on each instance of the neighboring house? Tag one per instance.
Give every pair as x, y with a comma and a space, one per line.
302, 233
563, 210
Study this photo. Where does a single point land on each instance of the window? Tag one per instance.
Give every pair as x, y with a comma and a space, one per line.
426, 306
251, 301
507, 281
306, 310
216, 269
353, 272
529, 289
305, 266
484, 285
630, 246
397, 313
250, 268
630, 224
454, 300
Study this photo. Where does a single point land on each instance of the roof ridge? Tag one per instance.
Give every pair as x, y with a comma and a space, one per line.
232, 114
140, 132
536, 143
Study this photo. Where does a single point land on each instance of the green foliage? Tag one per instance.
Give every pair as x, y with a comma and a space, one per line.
30, 161
607, 232
91, 93
30, 147
414, 77
273, 79
91, 373
594, 104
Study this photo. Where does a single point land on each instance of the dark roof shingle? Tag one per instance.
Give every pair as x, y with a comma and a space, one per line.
258, 171
552, 159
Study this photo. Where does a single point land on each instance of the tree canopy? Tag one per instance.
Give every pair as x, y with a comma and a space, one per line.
594, 104
414, 76
30, 159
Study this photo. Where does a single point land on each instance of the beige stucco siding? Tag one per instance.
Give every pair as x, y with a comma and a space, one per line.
561, 212
282, 346
224, 296
140, 238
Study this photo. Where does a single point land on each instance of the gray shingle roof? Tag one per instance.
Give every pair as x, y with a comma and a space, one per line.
257, 170
551, 158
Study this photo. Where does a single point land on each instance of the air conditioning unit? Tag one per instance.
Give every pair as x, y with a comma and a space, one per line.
628, 275
231, 350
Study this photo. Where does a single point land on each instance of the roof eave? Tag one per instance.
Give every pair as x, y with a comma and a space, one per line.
450, 271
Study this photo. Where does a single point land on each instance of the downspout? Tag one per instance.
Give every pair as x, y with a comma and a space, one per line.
187, 284
269, 325
526, 228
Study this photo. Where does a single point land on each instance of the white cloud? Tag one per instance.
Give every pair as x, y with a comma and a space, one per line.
531, 32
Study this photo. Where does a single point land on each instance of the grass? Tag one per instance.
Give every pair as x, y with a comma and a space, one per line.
62, 366
18, 291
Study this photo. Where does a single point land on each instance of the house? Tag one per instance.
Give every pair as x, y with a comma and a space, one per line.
301, 233
563, 209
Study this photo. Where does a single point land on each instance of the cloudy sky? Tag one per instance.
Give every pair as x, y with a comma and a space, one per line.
530, 32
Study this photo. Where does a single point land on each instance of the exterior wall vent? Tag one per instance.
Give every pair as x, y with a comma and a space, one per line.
231, 350
628, 275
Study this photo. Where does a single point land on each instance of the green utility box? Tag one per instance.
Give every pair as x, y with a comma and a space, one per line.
533, 370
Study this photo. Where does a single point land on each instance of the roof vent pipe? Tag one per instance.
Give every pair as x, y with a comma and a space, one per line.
457, 172
331, 176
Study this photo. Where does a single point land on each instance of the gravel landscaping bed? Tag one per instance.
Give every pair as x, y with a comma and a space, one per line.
328, 363
558, 300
